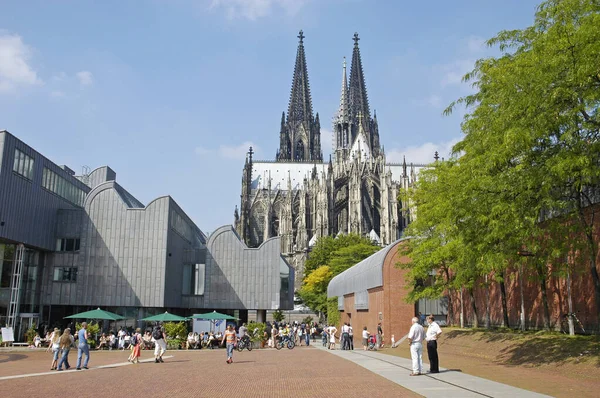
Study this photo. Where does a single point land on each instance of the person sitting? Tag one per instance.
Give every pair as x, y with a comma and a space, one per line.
37, 341
190, 341
103, 342
112, 341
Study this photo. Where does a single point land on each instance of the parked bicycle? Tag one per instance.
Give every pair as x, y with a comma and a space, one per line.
564, 323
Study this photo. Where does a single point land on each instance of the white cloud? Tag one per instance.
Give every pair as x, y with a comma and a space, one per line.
15, 69
255, 9
85, 78
421, 154
239, 152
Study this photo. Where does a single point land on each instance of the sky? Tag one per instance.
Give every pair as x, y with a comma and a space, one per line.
171, 93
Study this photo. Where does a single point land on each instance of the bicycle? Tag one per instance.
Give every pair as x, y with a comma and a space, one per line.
285, 341
244, 342
564, 323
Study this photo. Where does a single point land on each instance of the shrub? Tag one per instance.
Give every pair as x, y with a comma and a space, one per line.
308, 320
256, 331
30, 334
176, 330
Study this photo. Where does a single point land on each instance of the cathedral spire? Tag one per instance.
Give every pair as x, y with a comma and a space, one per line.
344, 106
359, 101
300, 106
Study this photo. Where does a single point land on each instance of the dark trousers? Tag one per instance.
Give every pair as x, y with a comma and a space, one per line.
345, 342
434, 365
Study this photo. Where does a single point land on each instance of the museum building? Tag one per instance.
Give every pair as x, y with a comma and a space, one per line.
69, 243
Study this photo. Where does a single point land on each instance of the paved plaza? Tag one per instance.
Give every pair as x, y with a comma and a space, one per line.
302, 372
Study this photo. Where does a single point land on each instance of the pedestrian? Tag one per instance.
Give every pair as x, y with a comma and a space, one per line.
231, 338
379, 337
415, 338
307, 335
350, 337
83, 347
55, 347
136, 344
66, 342
433, 332
365, 338
332, 331
421, 318
160, 343
344, 337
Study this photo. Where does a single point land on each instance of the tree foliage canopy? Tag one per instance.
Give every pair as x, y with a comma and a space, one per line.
330, 257
529, 159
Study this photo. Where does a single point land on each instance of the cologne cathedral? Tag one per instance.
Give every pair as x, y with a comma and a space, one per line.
301, 197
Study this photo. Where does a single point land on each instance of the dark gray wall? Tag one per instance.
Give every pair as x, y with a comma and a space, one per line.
29, 212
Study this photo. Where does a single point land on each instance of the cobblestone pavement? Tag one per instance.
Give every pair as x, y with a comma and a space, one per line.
301, 372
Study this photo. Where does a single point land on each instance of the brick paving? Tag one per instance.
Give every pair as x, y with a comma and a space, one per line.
301, 372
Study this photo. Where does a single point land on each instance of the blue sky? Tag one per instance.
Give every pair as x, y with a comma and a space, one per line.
170, 94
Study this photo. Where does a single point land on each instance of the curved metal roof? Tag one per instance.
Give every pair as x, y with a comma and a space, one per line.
363, 276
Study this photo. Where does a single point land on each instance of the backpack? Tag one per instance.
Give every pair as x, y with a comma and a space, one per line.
134, 339
157, 334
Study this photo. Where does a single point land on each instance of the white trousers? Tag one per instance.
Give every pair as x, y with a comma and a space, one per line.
160, 346
416, 353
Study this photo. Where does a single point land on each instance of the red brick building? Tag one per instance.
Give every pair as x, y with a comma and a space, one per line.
373, 291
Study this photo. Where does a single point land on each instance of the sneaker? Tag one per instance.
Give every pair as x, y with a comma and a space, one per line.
59, 370
160, 359
85, 367
78, 368
156, 360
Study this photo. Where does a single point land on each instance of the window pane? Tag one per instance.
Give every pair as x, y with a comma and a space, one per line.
70, 245
58, 274
77, 242
16, 162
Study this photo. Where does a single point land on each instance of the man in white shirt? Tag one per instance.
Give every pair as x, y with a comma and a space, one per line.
433, 331
415, 337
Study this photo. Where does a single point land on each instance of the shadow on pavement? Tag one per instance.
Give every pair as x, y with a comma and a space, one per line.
11, 357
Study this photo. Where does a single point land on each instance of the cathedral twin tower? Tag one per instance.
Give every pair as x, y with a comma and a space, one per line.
301, 198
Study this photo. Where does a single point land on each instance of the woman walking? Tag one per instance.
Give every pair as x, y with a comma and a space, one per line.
55, 347
66, 342
83, 347
136, 343
231, 338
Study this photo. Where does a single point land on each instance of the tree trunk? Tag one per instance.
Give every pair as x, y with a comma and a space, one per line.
503, 297
474, 308
450, 314
542, 279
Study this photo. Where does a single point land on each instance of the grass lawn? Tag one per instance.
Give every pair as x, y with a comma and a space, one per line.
549, 363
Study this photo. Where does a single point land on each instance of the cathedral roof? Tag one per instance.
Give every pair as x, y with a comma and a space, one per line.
280, 171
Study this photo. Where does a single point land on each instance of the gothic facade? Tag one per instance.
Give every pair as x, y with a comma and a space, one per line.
301, 198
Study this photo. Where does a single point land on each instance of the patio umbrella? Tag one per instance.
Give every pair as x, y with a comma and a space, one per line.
97, 314
214, 316
166, 317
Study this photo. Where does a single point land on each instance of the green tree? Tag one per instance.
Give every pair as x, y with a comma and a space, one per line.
278, 316
531, 151
330, 257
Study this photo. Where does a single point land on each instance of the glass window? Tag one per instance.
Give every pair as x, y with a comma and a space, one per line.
23, 164
65, 274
